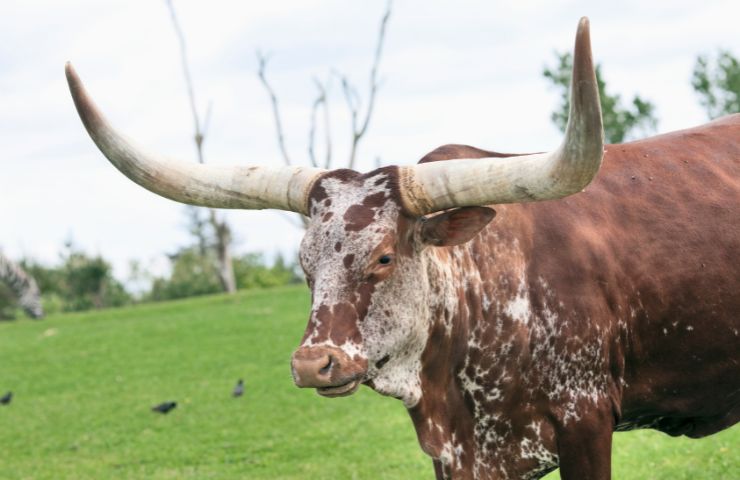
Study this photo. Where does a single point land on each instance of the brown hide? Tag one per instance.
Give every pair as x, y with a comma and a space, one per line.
655, 241
612, 309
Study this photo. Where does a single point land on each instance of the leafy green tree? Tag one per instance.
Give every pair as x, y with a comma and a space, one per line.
88, 282
51, 283
193, 273
620, 123
194, 268
80, 282
252, 271
717, 82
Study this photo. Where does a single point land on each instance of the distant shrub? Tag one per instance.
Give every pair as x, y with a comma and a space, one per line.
252, 271
195, 274
192, 274
80, 282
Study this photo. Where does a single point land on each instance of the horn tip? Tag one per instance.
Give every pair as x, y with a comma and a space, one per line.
88, 112
584, 32
71, 73
582, 50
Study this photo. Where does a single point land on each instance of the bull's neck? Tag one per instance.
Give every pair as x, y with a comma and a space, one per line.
477, 347
479, 301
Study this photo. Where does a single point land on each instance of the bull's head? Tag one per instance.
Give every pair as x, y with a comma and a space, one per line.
366, 252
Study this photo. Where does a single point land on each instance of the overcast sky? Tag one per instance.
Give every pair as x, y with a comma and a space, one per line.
453, 72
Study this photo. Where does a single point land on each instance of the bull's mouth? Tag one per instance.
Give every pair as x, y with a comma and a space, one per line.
340, 390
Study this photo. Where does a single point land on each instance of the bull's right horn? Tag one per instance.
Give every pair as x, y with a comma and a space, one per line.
246, 187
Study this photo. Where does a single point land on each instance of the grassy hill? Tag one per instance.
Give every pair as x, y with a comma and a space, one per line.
84, 384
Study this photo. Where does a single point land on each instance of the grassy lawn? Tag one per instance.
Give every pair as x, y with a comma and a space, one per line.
84, 384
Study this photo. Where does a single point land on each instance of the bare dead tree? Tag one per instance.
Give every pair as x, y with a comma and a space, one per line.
197, 227
359, 122
353, 100
262, 59
221, 229
320, 102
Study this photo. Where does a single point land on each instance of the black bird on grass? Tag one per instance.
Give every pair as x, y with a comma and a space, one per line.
165, 407
6, 399
239, 389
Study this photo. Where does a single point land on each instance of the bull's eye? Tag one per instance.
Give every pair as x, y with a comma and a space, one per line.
385, 260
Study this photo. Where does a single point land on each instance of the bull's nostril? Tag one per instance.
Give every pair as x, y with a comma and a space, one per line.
325, 369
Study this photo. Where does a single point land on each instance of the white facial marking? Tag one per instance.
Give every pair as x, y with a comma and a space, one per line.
338, 246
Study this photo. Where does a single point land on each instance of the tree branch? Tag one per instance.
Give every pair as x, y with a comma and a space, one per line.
322, 100
262, 59
374, 70
357, 134
352, 99
199, 135
220, 227
327, 128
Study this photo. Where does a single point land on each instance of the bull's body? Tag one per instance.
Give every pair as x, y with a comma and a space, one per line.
523, 344
612, 309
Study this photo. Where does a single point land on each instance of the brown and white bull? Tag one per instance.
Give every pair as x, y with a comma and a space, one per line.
522, 344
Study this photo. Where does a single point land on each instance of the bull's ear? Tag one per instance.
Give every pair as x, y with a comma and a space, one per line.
455, 226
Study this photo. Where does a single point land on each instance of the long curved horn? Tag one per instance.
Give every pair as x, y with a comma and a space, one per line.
247, 187
430, 187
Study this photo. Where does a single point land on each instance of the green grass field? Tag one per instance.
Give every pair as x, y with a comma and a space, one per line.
84, 384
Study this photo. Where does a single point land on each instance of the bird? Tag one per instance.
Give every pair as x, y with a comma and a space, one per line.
165, 407
238, 389
6, 399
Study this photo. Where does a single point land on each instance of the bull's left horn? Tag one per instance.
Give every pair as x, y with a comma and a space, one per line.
435, 186
247, 187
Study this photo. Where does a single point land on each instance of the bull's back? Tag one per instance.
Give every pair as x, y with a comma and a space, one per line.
653, 243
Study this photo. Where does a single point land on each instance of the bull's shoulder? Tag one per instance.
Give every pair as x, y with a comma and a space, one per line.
454, 151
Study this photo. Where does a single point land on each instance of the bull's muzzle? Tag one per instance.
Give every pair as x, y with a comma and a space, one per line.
328, 369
